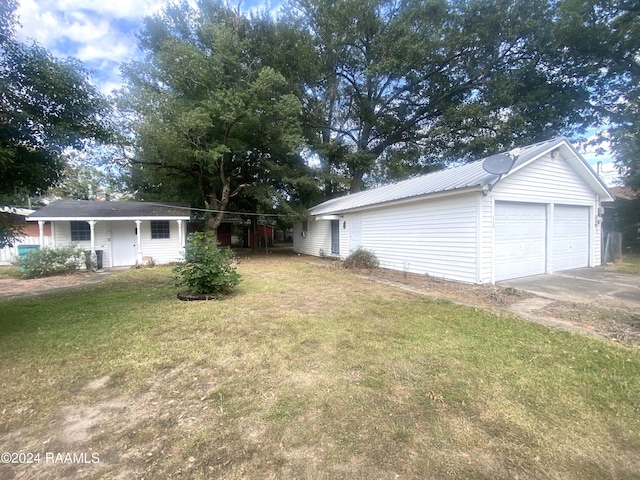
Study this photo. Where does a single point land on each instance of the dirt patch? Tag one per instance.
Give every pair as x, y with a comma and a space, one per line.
17, 287
22, 287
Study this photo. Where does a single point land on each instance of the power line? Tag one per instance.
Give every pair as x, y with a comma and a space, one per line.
208, 210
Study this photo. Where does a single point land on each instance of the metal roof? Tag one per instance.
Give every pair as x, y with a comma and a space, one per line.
466, 177
90, 210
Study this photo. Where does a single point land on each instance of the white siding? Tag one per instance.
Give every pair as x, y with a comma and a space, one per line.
485, 236
355, 231
317, 240
162, 250
546, 180
436, 237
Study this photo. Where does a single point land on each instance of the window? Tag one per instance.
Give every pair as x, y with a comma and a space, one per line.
160, 229
305, 226
80, 231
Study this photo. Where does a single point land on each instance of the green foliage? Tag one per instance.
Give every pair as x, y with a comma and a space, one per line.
206, 268
10, 225
212, 119
47, 105
601, 39
361, 258
422, 82
49, 261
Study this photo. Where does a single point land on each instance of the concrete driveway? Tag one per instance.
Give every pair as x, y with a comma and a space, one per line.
584, 285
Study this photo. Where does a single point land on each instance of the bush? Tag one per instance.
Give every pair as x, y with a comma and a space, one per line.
206, 268
361, 258
49, 261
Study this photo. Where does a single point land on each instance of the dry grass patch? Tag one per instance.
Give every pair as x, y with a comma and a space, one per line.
307, 372
630, 263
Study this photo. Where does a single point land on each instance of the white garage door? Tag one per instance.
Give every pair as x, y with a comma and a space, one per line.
519, 240
570, 244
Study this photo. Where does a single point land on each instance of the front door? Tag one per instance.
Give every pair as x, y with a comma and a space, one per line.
123, 243
335, 237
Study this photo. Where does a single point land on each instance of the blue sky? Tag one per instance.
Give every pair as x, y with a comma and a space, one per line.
101, 33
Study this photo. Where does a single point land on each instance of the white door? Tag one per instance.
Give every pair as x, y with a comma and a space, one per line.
520, 231
123, 243
570, 244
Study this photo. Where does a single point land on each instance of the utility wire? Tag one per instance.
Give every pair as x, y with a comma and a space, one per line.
207, 210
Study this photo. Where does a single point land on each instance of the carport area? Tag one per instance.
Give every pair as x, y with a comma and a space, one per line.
584, 285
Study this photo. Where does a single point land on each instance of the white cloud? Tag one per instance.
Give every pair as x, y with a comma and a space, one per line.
97, 32
100, 33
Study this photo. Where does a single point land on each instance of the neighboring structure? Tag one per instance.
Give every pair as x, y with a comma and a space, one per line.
235, 232
121, 233
28, 238
543, 216
621, 224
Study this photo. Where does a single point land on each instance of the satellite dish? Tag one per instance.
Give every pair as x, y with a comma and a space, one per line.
498, 164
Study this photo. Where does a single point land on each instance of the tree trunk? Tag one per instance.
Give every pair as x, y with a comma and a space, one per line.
356, 181
214, 221
254, 232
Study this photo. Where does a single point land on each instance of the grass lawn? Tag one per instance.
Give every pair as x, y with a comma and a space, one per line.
630, 263
307, 373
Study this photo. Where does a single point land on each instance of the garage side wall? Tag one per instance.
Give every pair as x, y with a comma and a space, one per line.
436, 237
315, 240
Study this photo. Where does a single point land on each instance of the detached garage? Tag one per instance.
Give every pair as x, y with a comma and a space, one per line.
538, 212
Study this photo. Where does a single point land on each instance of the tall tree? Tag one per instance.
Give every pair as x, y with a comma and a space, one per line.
602, 48
84, 176
46, 105
404, 85
206, 109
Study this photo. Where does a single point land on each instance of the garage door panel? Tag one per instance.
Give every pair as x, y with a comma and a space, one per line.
519, 240
570, 243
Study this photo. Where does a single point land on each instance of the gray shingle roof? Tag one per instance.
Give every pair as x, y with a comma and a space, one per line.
469, 175
89, 210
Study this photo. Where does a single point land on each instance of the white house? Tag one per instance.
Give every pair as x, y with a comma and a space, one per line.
126, 233
542, 215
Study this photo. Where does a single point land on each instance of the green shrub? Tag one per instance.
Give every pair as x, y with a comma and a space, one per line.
361, 258
49, 261
206, 268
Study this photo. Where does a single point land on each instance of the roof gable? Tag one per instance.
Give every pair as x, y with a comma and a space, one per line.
466, 177
90, 210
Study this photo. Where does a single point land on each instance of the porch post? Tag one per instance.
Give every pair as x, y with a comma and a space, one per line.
92, 248
41, 230
92, 224
139, 242
180, 233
